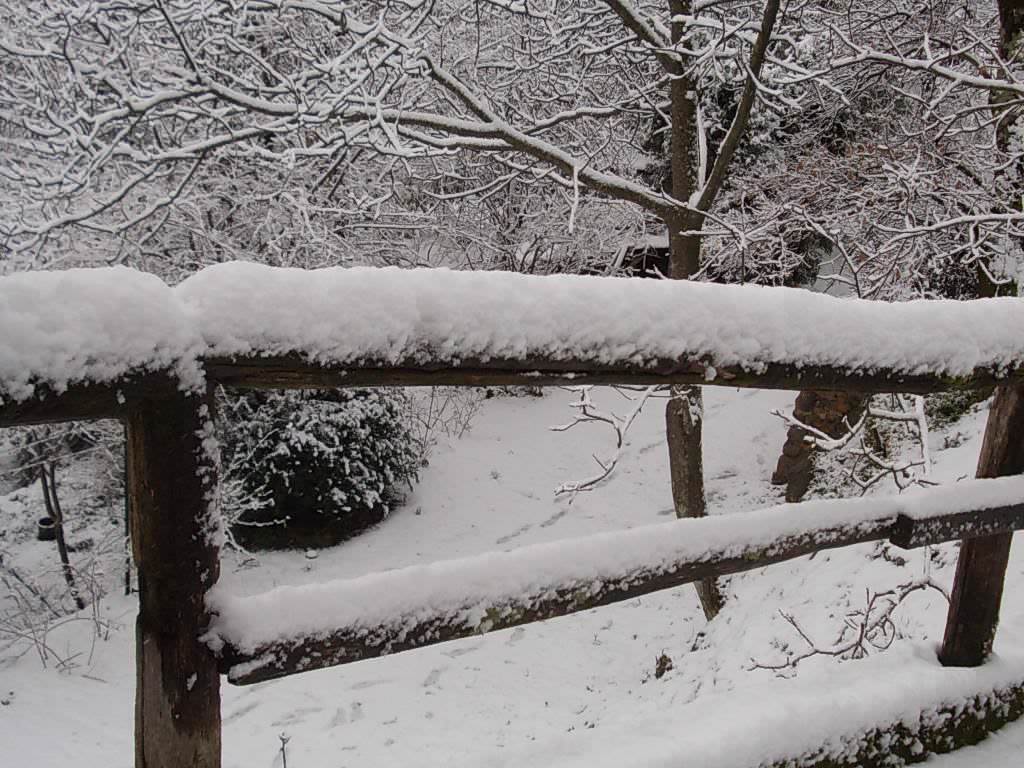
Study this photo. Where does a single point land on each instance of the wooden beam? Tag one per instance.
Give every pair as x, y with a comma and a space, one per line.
294, 372
346, 645
170, 482
109, 400
910, 533
981, 568
85, 402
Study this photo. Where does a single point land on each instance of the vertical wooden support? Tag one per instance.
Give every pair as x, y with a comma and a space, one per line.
978, 586
170, 479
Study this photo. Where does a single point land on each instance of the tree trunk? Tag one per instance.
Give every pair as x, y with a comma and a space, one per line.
829, 412
684, 411
683, 419
48, 478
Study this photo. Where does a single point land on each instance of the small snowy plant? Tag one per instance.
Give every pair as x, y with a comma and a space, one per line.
312, 468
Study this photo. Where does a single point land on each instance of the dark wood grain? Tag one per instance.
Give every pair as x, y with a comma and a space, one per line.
177, 697
981, 568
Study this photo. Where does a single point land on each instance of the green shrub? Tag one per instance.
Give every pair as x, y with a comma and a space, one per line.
945, 408
310, 468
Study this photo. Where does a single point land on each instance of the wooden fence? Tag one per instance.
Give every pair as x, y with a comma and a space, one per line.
172, 478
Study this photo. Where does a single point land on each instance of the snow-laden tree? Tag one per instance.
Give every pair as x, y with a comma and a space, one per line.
899, 178
871, 140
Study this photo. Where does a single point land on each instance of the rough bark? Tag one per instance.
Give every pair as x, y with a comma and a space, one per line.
170, 480
828, 412
293, 371
683, 420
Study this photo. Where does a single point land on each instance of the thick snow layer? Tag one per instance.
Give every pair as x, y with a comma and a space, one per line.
57, 328
393, 314
965, 496
94, 325
462, 590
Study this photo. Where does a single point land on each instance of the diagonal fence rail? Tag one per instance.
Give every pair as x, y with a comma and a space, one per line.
88, 344
295, 629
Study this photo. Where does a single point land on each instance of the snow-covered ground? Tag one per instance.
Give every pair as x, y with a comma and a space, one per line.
558, 692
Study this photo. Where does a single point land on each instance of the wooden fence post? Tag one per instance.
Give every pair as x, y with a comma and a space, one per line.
170, 477
981, 568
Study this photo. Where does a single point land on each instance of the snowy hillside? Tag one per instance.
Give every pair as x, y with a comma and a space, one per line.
578, 688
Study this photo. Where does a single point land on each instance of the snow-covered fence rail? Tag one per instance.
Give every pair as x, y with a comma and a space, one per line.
293, 629
115, 343
102, 337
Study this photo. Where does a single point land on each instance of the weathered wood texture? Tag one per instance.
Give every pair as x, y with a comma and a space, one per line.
85, 402
981, 567
170, 479
300, 654
936, 731
292, 372
109, 401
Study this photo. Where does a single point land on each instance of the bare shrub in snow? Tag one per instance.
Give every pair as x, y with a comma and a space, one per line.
864, 631
870, 444
588, 413
433, 413
77, 470
36, 604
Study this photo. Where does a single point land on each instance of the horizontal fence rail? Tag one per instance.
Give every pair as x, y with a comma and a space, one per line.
105, 400
121, 334
340, 622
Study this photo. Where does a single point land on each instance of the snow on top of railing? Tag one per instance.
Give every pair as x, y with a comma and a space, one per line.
58, 328
90, 325
462, 592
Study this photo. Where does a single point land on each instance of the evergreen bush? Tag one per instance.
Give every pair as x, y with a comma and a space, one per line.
311, 468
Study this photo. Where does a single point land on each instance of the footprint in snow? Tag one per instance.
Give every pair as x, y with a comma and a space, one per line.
508, 537
368, 684
456, 652
296, 716
517, 634
340, 718
433, 677
555, 518
240, 712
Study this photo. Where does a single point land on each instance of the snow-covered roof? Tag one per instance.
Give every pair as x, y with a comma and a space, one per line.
95, 325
